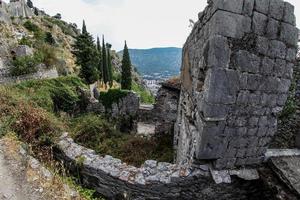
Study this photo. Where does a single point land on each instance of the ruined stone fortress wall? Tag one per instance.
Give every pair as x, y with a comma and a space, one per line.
236, 72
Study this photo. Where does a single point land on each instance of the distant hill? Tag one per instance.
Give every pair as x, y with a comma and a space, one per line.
157, 62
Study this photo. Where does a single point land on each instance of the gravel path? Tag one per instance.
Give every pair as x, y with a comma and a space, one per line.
13, 184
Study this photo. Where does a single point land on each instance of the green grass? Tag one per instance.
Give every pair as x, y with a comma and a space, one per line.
146, 96
95, 132
52, 94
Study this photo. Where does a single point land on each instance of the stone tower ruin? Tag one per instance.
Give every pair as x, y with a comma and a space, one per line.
236, 72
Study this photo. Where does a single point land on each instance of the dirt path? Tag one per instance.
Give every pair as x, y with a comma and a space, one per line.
22, 177
13, 185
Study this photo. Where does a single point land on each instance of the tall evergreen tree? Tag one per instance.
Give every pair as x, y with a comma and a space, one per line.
87, 56
104, 63
100, 68
126, 80
84, 30
109, 65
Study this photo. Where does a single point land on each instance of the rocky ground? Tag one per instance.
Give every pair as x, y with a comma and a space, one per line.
24, 178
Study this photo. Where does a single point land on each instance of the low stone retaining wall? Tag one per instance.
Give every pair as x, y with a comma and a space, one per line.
116, 180
41, 74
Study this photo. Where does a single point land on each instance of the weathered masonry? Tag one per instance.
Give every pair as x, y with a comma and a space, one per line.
236, 72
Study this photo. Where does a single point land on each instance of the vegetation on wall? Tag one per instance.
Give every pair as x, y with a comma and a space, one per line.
112, 96
146, 96
26, 64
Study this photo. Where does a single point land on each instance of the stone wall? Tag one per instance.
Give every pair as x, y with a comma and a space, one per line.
124, 111
165, 108
236, 72
116, 180
42, 73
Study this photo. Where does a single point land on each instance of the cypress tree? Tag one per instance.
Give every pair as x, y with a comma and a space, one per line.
100, 69
104, 63
87, 56
109, 65
126, 80
84, 30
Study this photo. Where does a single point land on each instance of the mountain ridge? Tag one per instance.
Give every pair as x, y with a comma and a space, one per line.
156, 63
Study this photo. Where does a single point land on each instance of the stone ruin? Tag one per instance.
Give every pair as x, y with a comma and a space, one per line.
236, 72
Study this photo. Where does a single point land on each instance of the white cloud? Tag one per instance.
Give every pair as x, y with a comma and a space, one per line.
143, 23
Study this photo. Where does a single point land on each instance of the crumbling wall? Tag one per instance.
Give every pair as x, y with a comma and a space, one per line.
114, 179
236, 72
165, 108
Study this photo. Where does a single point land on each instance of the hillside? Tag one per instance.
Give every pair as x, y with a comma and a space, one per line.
156, 63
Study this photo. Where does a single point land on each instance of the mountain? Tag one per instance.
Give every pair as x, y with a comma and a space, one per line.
156, 63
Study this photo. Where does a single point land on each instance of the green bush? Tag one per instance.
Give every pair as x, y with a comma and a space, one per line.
49, 38
64, 99
112, 96
91, 130
26, 65
31, 26
25, 41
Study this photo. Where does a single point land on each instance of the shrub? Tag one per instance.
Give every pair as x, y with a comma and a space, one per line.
49, 38
35, 124
31, 26
64, 99
25, 41
49, 55
91, 130
111, 96
26, 65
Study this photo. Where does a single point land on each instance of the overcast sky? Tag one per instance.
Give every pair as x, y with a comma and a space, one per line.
143, 23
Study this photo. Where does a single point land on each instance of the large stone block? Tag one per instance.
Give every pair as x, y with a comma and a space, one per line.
267, 66
248, 7
277, 49
291, 54
221, 86
217, 52
230, 24
214, 112
279, 67
259, 23
246, 62
289, 34
288, 15
284, 85
212, 143
272, 28
235, 6
262, 6
276, 9
262, 45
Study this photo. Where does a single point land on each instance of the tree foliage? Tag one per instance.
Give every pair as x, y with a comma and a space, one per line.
104, 63
29, 4
87, 56
126, 80
109, 65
